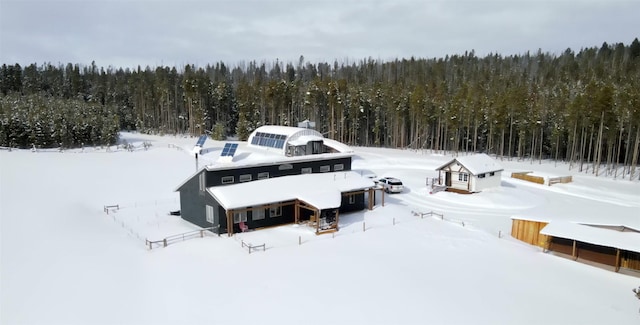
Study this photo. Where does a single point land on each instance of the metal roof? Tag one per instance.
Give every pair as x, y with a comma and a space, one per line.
476, 164
593, 235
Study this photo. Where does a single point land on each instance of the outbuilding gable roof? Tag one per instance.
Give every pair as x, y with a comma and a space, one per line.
593, 235
476, 164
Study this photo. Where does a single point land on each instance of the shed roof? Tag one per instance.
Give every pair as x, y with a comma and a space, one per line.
322, 190
476, 164
604, 237
530, 218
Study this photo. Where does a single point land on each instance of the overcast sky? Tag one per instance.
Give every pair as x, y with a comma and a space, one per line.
128, 33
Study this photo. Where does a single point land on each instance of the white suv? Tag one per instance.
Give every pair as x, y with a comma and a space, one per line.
391, 184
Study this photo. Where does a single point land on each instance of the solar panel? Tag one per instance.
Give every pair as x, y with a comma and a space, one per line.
269, 140
229, 149
201, 140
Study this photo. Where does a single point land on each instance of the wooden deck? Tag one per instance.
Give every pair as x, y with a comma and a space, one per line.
455, 190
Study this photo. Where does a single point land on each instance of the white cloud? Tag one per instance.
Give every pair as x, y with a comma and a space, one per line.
131, 33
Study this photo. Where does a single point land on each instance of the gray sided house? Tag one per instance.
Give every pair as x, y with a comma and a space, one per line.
234, 197
470, 174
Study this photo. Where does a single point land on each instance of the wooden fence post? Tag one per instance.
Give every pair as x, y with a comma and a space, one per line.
299, 240
363, 227
164, 241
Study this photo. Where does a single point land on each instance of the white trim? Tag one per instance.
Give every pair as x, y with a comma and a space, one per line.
258, 214
275, 212
239, 217
202, 182
227, 180
244, 178
211, 213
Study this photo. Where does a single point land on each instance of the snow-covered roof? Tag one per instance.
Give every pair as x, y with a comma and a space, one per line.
604, 237
476, 164
322, 190
284, 130
530, 218
337, 145
265, 160
250, 156
303, 140
277, 137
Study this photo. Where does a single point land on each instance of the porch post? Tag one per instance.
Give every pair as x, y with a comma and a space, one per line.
574, 253
617, 259
229, 223
296, 212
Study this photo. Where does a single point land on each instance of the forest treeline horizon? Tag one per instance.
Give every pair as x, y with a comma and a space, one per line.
582, 107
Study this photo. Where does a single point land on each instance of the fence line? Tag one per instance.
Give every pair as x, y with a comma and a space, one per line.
142, 203
125, 227
252, 247
560, 179
107, 207
178, 237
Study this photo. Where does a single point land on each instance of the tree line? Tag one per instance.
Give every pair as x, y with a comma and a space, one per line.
582, 107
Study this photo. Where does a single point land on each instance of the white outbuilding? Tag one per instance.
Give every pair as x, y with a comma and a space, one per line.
470, 174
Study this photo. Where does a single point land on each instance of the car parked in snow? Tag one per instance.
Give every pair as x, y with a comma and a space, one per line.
391, 184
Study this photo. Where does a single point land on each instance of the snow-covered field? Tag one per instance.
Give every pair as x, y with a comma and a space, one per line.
65, 261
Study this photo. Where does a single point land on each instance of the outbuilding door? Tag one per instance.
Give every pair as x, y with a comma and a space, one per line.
447, 179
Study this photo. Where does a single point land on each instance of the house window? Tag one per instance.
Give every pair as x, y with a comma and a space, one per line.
239, 217
324, 169
338, 167
306, 170
481, 175
257, 214
352, 199
463, 177
201, 178
227, 180
492, 173
263, 175
275, 211
285, 167
211, 214
245, 178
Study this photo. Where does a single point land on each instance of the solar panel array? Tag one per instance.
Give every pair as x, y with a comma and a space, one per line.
269, 140
201, 140
229, 150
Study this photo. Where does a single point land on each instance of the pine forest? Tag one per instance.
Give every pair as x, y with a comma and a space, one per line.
579, 107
